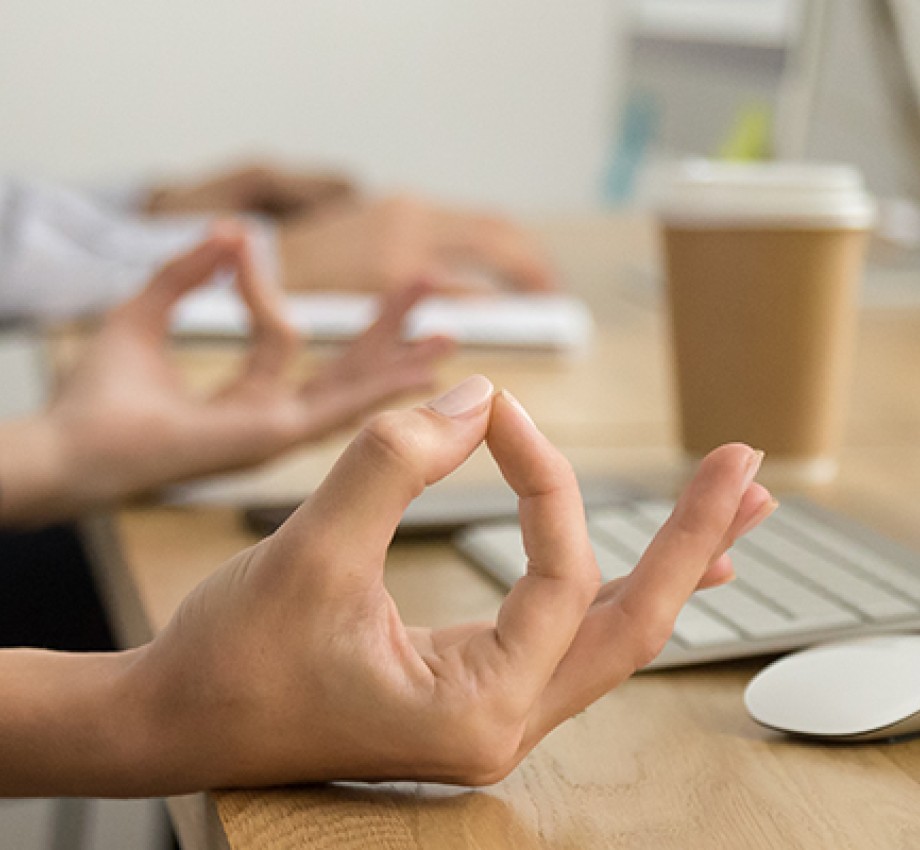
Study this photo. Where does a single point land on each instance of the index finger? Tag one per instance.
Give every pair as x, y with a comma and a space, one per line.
274, 341
149, 310
542, 613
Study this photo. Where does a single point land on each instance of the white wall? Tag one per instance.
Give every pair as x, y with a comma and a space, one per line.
505, 101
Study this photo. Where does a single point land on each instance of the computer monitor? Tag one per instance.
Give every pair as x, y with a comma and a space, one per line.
905, 18
864, 99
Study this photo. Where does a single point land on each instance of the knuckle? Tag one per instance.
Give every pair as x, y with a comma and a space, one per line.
590, 581
701, 518
644, 630
650, 649
387, 436
553, 474
563, 472
652, 637
386, 429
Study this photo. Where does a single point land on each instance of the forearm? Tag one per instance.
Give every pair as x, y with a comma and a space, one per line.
70, 726
32, 481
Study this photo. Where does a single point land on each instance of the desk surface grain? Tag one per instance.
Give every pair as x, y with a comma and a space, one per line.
670, 759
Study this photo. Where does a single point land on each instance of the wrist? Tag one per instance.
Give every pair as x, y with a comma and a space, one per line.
162, 746
70, 726
193, 728
32, 472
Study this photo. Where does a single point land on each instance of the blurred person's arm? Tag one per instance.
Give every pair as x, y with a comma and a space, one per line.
329, 237
263, 189
385, 244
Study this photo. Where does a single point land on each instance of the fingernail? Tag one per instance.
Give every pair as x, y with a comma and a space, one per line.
752, 469
763, 512
518, 406
465, 398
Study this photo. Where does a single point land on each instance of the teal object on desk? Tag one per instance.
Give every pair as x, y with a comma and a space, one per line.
637, 129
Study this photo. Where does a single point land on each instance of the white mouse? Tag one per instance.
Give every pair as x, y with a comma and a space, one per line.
854, 690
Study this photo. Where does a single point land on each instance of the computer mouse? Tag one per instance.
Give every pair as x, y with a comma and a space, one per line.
853, 690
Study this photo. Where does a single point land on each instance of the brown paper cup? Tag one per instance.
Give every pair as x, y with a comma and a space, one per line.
763, 265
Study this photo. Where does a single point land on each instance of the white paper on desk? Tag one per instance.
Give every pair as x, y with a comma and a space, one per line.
542, 322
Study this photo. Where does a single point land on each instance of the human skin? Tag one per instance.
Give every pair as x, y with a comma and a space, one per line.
264, 188
123, 422
291, 663
383, 244
332, 237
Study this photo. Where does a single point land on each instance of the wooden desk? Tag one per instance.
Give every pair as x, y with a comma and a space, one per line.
669, 760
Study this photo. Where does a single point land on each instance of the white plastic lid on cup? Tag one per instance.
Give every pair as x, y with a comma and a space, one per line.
707, 193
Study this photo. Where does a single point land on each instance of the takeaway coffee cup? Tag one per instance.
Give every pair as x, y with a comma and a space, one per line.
763, 263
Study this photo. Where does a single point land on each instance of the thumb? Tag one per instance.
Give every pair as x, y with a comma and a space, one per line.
353, 514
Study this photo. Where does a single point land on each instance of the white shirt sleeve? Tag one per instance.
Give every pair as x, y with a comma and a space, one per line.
65, 253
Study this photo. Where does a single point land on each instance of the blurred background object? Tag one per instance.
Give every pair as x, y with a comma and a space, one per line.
783, 79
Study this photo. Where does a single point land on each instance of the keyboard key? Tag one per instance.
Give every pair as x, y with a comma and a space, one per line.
851, 551
696, 628
500, 549
745, 612
811, 611
655, 511
610, 562
861, 594
620, 531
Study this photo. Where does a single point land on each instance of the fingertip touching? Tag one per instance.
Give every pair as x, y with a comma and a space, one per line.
422, 287
150, 307
529, 462
230, 233
506, 395
392, 459
464, 400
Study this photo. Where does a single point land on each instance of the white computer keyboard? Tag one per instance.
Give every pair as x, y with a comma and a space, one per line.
557, 323
805, 575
